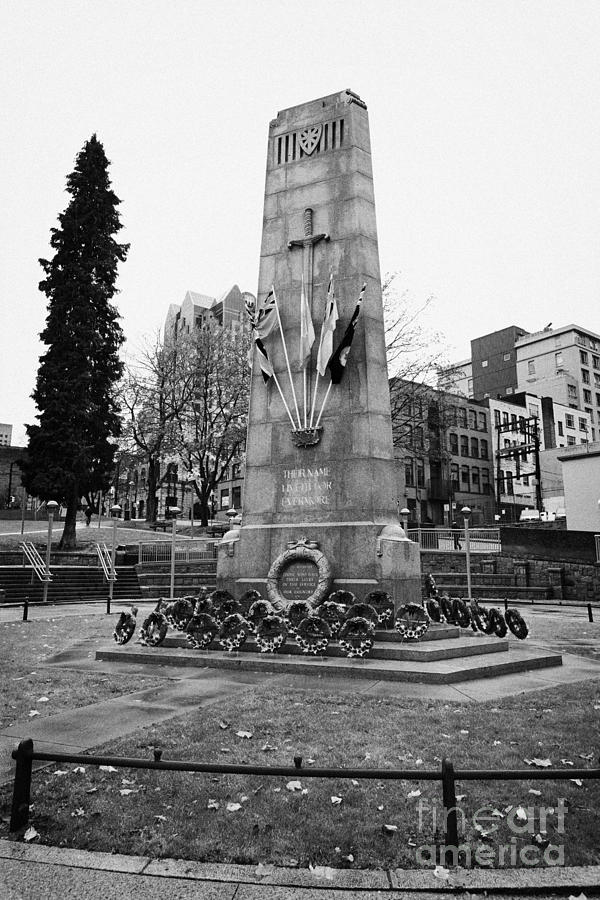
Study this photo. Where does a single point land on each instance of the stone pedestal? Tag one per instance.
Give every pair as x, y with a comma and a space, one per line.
333, 489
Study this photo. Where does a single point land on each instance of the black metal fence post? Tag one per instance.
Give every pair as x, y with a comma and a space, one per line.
590, 614
19, 814
449, 799
25, 609
108, 605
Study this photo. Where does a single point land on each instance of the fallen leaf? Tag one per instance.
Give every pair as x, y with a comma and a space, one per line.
412, 843
586, 756
79, 770
418, 762
78, 812
441, 873
124, 792
496, 814
540, 763
212, 804
496, 743
355, 782
336, 801
322, 871
294, 786
161, 818
61, 772
244, 734
33, 713
350, 857
536, 793
107, 768
224, 749
380, 807
43, 700
262, 871
389, 829
460, 797
91, 790
268, 748
233, 807
521, 814
464, 731
567, 762
30, 834
415, 793
577, 781
223, 725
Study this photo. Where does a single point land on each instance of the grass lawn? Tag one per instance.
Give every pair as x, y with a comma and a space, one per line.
24, 649
186, 816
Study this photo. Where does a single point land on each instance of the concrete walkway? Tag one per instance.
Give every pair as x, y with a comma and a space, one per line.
36, 872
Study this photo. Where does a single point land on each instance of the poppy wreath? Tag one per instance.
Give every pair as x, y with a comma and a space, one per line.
201, 631
203, 606
447, 608
154, 630
481, 618
313, 634
411, 621
234, 631
247, 599
363, 611
166, 609
498, 622
271, 633
433, 610
181, 612
343, 598
383, 605
218, 598
333, 613
356, 636
460, 612
125, 626
516, 623
296, 612
227, 608
259, 610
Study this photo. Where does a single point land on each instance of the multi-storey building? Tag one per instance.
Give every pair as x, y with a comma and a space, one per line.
198, 310
5, 435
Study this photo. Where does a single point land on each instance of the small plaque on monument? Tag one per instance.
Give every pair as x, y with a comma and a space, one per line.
299, 580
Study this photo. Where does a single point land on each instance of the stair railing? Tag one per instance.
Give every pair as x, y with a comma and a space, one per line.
35, 561
105, 559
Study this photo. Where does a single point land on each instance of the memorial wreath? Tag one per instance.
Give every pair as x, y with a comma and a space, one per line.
234, 631
154, 630
356, 636
201, 631
181, 612
363, 611
313, 634
333, 613
516, 623
258, 611
125, 626
295, 613
411, 621
383, 605
271, 633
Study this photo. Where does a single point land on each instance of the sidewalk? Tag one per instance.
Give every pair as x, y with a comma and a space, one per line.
36, 872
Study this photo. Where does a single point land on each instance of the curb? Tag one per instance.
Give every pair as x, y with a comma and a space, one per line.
515, 881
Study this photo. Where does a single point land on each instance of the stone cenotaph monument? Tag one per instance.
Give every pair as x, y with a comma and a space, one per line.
319, 505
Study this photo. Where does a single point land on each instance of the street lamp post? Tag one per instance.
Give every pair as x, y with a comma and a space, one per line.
51, 506
174, 511
466, 512
115, 510
405, 513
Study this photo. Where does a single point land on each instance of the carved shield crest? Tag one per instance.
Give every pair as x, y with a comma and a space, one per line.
309, 138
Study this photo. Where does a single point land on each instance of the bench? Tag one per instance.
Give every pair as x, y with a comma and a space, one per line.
161, 524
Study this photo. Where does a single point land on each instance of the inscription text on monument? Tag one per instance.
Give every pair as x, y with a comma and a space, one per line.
299, 580
306, 487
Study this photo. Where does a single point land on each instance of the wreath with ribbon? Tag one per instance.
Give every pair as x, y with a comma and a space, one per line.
343, 598
313, 635
271, 633
154, 630
218, 598
296, 612
363, 611
227, 608
356, 636
498, 622
460, 612
333, 613
447, 608
516, 623
201, 631
411, 621
203, 605
383, 605
234, 631
125, 626
181, 612
433, 610
247, 599
481, 618
258, 611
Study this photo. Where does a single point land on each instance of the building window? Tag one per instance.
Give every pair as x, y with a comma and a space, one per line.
472, 420
485, 481
596, 362
590, 413
236, 470
236, 497
470, 386
587, 395
506, 357
513, 421
464, 445
526, 480
454, 477
454, 443
483, 448
558, 358
462, 417
572, 392
583, 357
582, 425
474, 448
419, 437
534, 411
561, 432
475, 485
570, 440
531, 366
482, 421
484, 363
585, 376
225, 498
569, 420
505, 418
598, 399
464, 478
509, 390
509, 483
409, 473
496, 417
420, 473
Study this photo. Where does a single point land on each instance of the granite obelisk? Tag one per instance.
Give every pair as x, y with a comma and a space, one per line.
319, 504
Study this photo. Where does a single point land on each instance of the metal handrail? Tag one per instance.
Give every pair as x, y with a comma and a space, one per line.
190, 551
106, 562
37, 563
452, 540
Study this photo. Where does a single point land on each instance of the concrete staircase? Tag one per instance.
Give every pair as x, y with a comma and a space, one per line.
154, 580
69, 584
445, 655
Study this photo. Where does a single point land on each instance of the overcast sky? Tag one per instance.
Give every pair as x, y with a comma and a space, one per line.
484, 129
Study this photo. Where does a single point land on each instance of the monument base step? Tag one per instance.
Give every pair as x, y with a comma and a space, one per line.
415, 650
422, 670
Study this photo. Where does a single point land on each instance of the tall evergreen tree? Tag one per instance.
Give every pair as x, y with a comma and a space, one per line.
71, 450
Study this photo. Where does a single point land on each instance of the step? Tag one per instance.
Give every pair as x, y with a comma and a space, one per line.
448, 671
424, 652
